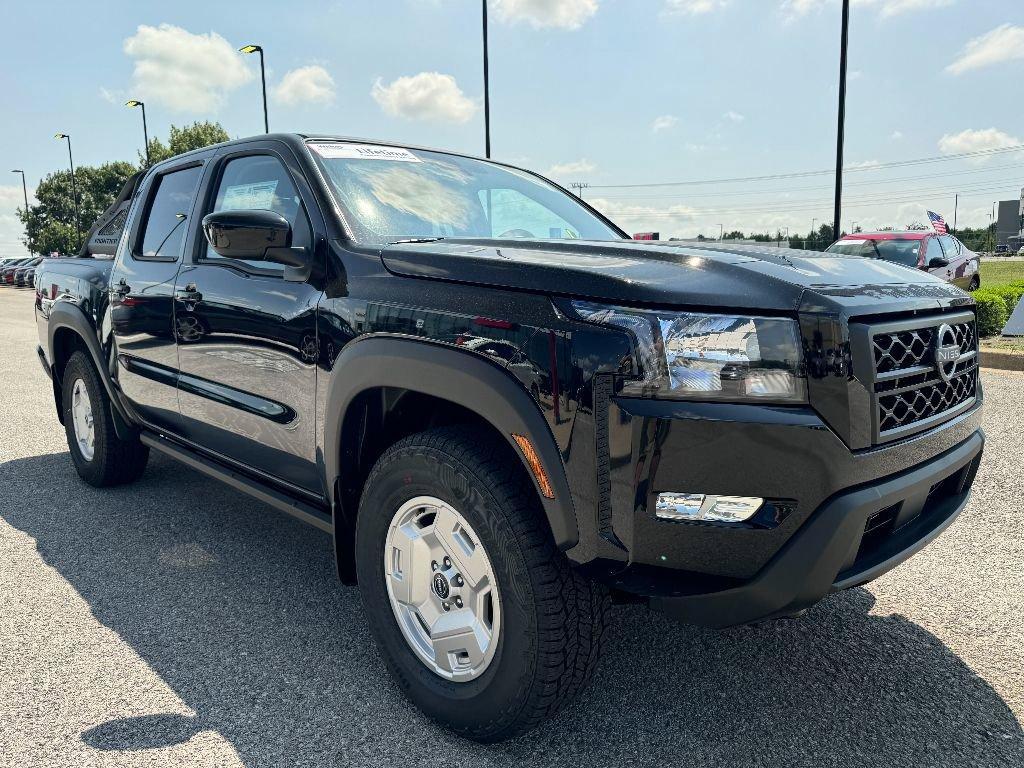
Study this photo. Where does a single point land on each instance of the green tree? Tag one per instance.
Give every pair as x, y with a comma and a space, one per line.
50, 225
185, 139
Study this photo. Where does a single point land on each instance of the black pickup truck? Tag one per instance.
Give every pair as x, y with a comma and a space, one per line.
505, 412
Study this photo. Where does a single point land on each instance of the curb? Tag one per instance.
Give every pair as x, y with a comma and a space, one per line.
1007, 361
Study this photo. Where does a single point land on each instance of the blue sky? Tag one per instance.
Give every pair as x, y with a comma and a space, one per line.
604, 92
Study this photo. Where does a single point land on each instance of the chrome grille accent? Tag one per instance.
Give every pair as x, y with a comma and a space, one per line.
911, 389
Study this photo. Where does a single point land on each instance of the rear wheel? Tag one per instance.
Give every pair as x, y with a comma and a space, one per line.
975, 283
479, 617
99, 455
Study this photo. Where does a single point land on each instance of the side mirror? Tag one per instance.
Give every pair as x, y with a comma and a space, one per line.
937, 261
246, 234
258, 235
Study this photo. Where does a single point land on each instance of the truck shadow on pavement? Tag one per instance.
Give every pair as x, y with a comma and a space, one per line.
237, 609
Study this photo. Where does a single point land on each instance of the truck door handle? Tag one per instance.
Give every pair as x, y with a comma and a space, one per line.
189, 293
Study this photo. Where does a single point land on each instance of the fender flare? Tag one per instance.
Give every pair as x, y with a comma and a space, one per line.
464, 378
66, 315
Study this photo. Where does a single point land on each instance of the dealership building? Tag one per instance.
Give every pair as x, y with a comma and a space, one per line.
1010, 223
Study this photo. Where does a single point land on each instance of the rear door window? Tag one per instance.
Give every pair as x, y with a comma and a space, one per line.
163, 233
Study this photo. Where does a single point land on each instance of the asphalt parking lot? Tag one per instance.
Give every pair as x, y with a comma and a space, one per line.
174, 622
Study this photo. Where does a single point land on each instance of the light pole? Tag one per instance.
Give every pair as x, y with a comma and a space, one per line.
487, 89
579, 186
74, 189
956, 207
24, 190
263, 78
813, 222
145, 132
995, 226
842, 118
721, 233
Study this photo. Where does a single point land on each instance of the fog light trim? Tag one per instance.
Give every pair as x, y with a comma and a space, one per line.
683, 507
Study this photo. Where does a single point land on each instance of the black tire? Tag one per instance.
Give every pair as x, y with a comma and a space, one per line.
114, 461
553, 618
975, 283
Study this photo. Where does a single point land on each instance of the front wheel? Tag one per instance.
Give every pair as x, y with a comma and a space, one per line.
479, 617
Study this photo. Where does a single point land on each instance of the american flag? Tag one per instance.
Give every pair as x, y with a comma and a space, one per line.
938, 222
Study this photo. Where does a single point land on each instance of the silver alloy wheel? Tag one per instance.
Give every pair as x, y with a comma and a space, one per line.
442, 589
83, 420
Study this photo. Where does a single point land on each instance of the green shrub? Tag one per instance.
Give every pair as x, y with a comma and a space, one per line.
992, 312
1010, 294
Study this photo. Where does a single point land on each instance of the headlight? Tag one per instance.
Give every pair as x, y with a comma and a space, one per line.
697, 356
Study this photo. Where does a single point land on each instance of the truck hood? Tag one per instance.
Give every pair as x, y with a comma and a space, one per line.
634, 272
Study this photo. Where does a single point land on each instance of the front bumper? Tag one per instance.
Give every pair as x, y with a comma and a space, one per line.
832, 551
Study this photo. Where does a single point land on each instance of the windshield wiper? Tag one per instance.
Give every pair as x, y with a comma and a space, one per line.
415, 240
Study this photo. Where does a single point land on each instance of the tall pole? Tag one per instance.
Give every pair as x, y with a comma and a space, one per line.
24, 190
813, 222
263, 79
487, 88
145, 131
956, 207
74, 188
842, 118
995, 226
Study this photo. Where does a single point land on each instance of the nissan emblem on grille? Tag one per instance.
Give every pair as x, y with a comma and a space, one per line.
947, 351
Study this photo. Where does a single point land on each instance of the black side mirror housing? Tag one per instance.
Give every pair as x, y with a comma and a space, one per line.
938, 261
246, 234
258, 235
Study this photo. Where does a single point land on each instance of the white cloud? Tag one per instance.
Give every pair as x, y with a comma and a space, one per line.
183, 71
895, 7
972, 140
793, 9
426, 96
11, 228
693, 7
896, 135
112, 96
663, 123
573, 168
666, 220
305, 85
863, 164
562, 14
735, 117
1004, 43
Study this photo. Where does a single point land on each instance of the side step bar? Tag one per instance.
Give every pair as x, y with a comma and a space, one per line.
307, 513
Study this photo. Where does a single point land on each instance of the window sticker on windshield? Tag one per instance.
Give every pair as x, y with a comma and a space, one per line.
250, 197
334, 150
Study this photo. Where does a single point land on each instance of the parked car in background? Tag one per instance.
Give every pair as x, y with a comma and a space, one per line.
7, 270
941, 255
21, 273
1002, 250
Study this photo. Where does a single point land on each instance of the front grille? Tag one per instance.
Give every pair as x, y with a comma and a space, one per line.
895, 411
912, 389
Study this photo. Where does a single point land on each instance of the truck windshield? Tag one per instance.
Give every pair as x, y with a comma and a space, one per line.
903, 251
392, 193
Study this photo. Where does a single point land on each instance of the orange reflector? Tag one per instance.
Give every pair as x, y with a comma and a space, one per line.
535, 466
